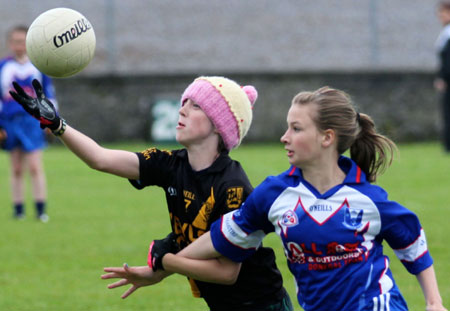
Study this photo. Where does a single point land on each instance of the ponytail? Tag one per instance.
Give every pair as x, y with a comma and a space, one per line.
372, 151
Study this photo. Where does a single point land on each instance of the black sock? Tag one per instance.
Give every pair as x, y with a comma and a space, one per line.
18, 209
40, 208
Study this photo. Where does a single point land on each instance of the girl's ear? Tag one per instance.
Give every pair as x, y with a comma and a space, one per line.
329, 137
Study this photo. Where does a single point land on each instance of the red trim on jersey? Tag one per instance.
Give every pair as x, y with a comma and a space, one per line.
386, 266
326, 219
292, 171
358, 174
418, 257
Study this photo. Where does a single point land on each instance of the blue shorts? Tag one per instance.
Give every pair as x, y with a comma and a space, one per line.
24, 133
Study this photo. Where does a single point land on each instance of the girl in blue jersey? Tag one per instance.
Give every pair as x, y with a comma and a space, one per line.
330, 218
20, 133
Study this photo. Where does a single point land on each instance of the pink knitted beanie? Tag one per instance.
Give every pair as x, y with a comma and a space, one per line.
227, 105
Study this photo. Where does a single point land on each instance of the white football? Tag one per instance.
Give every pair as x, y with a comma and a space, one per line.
60, 42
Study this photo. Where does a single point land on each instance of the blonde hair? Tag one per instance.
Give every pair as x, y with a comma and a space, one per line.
371, 151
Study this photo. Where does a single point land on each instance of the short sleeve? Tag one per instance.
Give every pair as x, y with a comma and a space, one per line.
156, 168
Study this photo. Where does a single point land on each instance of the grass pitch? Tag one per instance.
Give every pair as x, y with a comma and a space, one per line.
99, 220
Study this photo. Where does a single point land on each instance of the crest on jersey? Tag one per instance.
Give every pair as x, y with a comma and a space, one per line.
289, 219
353, 218
235, 195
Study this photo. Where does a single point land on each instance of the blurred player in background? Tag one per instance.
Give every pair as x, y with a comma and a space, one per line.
330, 218
22, 136
2, 130
442, 82
201, 183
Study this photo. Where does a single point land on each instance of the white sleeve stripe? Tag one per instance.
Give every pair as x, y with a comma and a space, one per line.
236, 236
413, 251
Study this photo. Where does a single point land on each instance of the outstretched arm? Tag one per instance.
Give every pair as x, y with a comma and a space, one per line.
200, 261
117, 162
219, 270
428, 283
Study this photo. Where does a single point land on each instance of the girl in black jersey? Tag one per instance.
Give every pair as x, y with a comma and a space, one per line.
201, 183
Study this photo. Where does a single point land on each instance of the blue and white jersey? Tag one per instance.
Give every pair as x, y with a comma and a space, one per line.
332, 241
23, 74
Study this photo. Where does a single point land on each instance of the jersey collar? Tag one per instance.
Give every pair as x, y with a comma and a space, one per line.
353, 173
218, 165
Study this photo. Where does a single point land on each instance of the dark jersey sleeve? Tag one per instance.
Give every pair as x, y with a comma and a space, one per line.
156, 168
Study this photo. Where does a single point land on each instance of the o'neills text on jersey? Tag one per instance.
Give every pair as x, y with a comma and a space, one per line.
320, 208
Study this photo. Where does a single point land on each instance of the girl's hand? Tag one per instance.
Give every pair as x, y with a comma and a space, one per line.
137, 276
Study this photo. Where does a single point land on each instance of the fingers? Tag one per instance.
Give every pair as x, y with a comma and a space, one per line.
20, 96
112, 276
114, 269
20, 90
38, 88
122, 282
129, 291
119, 272
16, 96
116, 272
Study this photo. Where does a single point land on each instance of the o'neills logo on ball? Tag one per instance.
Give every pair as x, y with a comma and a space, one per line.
81, 26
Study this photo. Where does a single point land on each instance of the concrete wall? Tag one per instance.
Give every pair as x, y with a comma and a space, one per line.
404, 106
380, 51
235, 36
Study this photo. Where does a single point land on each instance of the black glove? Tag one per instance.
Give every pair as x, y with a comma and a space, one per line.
40, 107
159, 248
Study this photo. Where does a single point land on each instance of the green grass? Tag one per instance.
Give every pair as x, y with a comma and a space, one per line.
99, 220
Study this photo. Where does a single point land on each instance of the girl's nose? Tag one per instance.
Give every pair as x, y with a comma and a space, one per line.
182, 110
284, 138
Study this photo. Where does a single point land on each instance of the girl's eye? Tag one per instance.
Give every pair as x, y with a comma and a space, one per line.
296, 129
